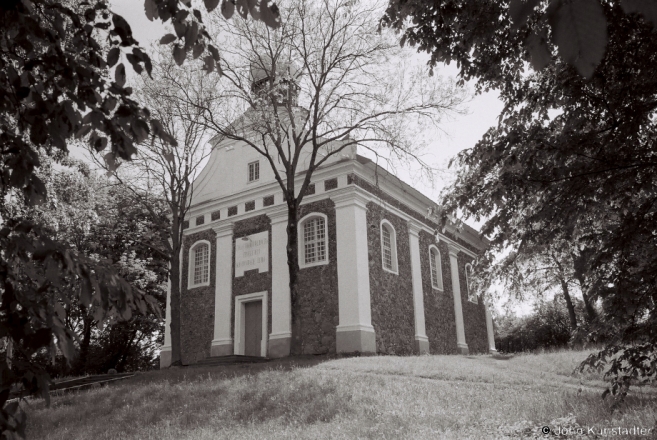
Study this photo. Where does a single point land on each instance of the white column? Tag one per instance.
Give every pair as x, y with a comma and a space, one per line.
281, 332
222, 343
458, 310
421, 339
491, 334
165, 350
355, 331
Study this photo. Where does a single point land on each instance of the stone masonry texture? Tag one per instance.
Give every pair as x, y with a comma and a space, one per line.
474, 314
252, 281
440, 323
318, 290
391, 295
197, 305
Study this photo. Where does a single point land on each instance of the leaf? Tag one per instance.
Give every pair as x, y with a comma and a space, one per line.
647, 8
168, 38
270, 15
210, 5
168, 155
227, 8
179, 55
151, 9
538, 50
190, 36
198, 50
113, 56
520, 10
580, 33
110, 161
215, 53
119, 75
209, 63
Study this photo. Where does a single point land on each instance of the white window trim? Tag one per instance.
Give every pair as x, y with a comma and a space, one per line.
439, 268
190, 265
248, 171
300, 242
240, 312
471, 296
393, 246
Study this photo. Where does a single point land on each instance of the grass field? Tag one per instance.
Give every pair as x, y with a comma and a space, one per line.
380, 397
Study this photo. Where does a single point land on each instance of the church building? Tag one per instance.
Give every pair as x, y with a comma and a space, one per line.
375, 273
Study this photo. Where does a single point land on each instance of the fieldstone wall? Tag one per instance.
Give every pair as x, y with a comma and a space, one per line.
197, 305
474, 315
440, 321
318, 290
252, 281
391, 295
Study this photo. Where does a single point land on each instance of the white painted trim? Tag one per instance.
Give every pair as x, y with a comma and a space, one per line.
191, 262
439, 268
223, 289
280, 335
300, 242
240, 300
393, 247
354, 327
456, 290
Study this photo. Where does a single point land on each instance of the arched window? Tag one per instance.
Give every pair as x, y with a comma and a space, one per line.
199, 264
468, 274
388, 247
313, 248
436, 268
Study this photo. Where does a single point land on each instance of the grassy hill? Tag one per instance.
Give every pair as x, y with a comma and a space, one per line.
377, 397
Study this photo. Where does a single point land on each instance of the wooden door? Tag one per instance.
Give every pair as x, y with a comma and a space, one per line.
252, 328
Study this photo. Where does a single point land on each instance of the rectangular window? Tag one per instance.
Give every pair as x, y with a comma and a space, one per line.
387, 249
436, 272
254, 171
314, 240
201, 264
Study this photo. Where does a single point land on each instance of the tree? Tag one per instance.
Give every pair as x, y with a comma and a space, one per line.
323, 82
55, 57
572, 159
158, 170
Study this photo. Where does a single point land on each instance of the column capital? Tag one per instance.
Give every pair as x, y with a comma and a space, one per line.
224, 229
414, 227
453, 250
278, 216
352, 196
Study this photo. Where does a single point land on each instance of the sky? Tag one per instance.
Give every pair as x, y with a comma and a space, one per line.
457, 133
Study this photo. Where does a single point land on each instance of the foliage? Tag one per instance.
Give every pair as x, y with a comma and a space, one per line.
572, 159
55, 84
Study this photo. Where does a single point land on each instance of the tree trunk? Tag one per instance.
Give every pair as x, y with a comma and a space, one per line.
296, 344
175, 304
87, 322
569, 304
580, 268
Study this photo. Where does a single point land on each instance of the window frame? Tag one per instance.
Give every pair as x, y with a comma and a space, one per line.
393, 247
191, 264
301, 244
439, 269
256, 172
472, 297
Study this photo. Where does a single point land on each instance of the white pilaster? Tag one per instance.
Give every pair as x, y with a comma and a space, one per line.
222, 343
491, 334
165, 350
281, 332
458, 309
421, 339
355, 332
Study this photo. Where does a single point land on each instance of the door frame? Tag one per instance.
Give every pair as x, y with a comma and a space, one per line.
240, 312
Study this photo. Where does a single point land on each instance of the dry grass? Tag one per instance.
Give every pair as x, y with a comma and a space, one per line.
371, 397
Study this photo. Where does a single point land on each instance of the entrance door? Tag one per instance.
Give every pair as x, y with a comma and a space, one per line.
252, 328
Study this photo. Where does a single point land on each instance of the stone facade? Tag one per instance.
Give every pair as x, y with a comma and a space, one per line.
391, 294
438, 305
197, 305
318, 291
